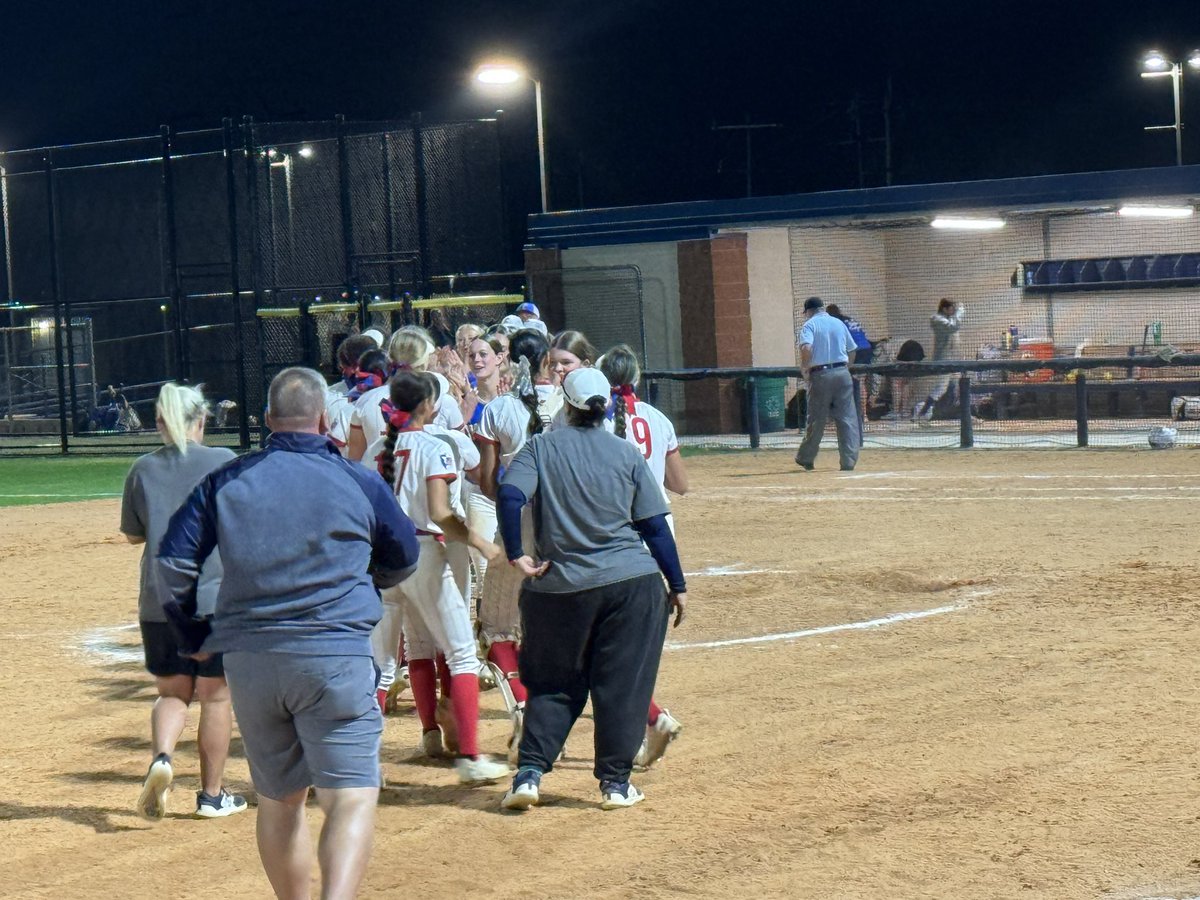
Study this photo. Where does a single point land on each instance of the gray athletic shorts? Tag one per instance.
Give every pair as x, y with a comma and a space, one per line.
306, 720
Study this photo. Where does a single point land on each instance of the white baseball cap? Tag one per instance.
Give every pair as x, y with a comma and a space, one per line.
536, 325
583, 384
511, 324
375, 335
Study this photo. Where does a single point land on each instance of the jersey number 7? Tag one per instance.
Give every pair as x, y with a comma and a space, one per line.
402, 460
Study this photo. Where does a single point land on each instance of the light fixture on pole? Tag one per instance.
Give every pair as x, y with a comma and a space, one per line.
1156, 65
506, 74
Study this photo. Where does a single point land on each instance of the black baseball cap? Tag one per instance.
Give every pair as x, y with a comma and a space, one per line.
813, 303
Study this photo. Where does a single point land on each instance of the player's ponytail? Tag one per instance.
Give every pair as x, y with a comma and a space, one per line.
620, 367
177, 410
528, 352
407, 391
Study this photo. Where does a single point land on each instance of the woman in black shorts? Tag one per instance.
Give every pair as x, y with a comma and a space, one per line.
157, 485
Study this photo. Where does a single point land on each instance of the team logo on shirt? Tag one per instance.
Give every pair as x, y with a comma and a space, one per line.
445, 460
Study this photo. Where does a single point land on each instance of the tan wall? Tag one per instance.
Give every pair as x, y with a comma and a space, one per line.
769, 268
845, 266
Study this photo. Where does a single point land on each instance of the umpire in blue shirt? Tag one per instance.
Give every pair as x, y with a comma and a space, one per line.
306, 539
826, 347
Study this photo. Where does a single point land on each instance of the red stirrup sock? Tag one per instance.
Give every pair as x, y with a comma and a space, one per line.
655, 712
504, 655
381, 698
464, 691
423, 678
443, 671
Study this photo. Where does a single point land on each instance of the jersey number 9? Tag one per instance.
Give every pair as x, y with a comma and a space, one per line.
640, 429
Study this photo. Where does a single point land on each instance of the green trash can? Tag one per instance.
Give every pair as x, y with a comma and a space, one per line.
772, 403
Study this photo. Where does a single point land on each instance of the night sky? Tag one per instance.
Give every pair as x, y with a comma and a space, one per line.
632, 87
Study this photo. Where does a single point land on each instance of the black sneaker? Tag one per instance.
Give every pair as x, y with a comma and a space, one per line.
223, 804
524, 791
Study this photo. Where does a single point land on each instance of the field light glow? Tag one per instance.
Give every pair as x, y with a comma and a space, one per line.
306, 151
496, 74
1156, 212
964, 223
1155, 62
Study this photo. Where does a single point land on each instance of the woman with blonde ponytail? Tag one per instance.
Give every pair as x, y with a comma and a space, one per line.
157, 485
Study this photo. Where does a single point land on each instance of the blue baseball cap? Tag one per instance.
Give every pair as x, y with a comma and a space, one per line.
529, 308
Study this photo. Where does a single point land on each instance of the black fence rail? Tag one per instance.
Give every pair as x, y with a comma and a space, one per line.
1131, 391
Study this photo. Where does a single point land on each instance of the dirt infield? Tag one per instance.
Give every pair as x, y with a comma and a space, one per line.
1029, 734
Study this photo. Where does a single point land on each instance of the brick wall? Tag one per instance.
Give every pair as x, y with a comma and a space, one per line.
714, 299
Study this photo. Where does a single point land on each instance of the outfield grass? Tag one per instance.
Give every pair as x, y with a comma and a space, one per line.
61, 479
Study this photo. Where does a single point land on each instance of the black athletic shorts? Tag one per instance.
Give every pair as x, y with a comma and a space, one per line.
163, 659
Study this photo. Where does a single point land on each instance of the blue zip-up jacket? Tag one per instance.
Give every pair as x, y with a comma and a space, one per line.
306, 538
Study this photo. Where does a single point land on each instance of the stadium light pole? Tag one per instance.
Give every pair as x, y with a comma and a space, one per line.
1156, 65
502, 74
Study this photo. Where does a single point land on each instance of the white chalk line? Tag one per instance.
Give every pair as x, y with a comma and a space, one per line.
71, 494
824, 629
975, 498
990, 476
735, 569
104, 643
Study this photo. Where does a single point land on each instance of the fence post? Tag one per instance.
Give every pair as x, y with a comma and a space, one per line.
422, 214
966, 425
307, 354
235, 285
344, 202
752, 399
56, 293
389, 235
1081, 409
170, 260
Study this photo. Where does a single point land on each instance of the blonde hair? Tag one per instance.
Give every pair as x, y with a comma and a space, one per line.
180, 408
471, 328
411, 348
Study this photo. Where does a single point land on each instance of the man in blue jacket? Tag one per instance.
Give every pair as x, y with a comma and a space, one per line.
306, 540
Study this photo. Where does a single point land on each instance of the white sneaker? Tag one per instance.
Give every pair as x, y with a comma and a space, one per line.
658, 737
481, 769
224, 804
431, 744
619, 796
449, 725
521, 796
518, 731
152, 804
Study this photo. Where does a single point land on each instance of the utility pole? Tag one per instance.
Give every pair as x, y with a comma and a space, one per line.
749, 129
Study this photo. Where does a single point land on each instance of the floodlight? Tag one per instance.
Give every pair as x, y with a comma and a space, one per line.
1193, 60
966, 223
499, 73
1156, 62
306, 151
1156, 212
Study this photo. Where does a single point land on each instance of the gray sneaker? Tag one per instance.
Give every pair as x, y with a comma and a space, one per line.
223, 804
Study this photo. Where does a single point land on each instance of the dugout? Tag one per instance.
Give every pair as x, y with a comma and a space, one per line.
722, 280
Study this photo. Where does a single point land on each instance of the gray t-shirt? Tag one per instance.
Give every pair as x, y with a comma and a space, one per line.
588, 488
155, 487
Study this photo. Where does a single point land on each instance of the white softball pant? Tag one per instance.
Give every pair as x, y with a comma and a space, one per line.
436, 617
481, 518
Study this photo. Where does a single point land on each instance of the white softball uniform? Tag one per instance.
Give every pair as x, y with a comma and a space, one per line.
434, 614
368, 415
505, 423
338, 411
466, 456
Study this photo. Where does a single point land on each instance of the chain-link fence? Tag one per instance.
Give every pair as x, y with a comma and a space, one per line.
159, 250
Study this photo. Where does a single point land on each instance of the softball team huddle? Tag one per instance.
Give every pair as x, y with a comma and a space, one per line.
441, 427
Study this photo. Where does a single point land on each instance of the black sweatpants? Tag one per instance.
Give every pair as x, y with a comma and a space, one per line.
606, 641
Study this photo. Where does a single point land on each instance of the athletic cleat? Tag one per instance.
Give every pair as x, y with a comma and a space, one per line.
446, 721
518, 731
658, 737
487, 680
619, 795
524, 792
431, 744
224, 804
480, 770
152, 804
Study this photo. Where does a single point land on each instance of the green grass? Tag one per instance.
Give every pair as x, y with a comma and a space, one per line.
59, 480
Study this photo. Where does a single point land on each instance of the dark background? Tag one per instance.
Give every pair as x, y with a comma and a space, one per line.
632, 87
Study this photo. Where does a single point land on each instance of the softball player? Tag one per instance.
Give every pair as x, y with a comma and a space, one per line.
484, 360
653, 435
408, 350
158, 484
569, 351
507, 423
435, 614
370, 371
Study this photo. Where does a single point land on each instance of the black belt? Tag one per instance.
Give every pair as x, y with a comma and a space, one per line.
830, 366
